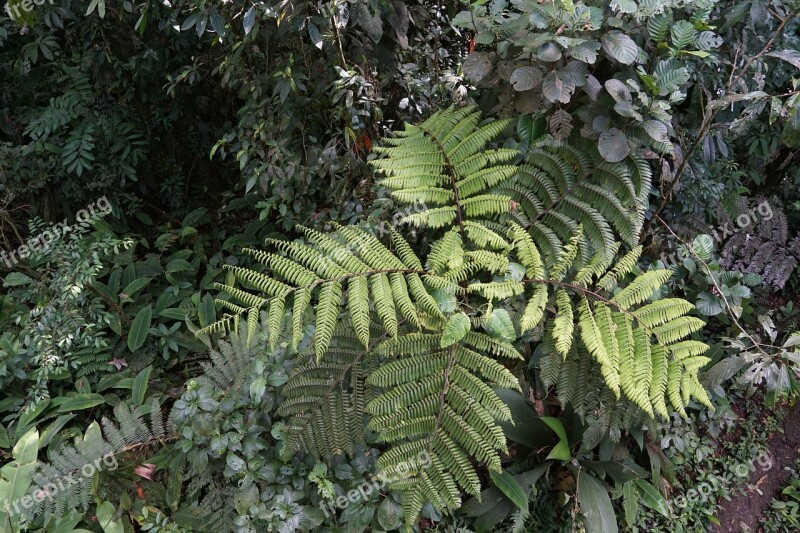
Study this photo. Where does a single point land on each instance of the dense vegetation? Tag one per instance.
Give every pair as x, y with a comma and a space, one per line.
376, 265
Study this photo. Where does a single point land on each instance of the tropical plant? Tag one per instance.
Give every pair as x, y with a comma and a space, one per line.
444, 324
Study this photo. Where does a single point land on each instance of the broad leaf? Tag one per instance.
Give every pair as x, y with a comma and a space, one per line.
708, 305
626, 109
630, 502
624, 6
595, 504
206, 312
703, 246
499, 325
529, 129
476, 66
657, 130
525, 78
620, 47
561, 450
790, 56
80, 402
618, 90
558, 87
372, 24
511, 488
249, 20
652, 498
390, 514
549, 52
707, 40
586, 52
313, 32
105, 517
18, 474
682, 34
139, 328
613, 145
135, 286
140, 385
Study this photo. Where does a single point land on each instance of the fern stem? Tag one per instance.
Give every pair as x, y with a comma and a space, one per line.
598, 296
443, 396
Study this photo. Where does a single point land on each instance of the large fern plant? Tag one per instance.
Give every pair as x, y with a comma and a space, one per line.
417, 337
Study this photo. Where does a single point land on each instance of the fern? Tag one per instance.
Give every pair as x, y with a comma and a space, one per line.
439, 404
324, 401
397, 335
558, 188
67, 468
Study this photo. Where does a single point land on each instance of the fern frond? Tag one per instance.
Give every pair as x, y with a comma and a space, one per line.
438, 406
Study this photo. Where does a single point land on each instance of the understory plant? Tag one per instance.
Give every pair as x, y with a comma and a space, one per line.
417, 337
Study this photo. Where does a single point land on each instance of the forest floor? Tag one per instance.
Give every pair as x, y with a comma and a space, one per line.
744, 512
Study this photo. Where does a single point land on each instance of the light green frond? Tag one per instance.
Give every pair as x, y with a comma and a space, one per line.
662, 311
635, 389
595, 268
293, 272
641, 288
484, 179
327, 312
527, 252
274, 321
382, 295
358, 305
534, 310
567, 258
658, 386
251, 300
440, 217
622, 268
563, 323
488, 261
677, 329
486, 205
262, 282
497, 290
404, 251
446, 253
302, 297
674, 376
484, 237
425, 195
477, 140
682, 350
304, 256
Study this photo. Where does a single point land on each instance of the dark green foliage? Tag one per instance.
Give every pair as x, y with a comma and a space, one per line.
426, 229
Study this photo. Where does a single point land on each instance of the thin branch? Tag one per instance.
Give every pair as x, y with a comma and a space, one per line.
728, 310
711, 113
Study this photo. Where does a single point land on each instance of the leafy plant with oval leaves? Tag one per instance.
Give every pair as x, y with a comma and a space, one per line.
612, 72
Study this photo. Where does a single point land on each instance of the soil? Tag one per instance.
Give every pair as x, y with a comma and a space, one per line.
745, 511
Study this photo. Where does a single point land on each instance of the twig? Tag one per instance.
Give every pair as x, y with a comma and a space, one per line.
711, 113
730, 313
